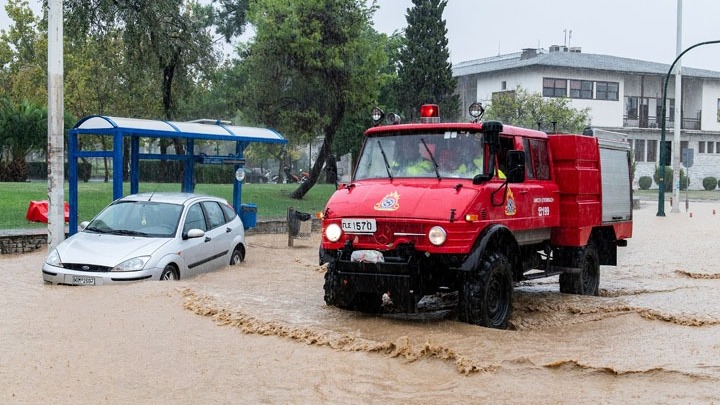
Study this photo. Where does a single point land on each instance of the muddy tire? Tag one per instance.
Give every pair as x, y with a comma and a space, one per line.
485, 296
333, 294
169, 273
238, 255
587, 281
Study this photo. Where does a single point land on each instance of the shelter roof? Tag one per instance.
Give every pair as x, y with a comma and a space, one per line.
217, 130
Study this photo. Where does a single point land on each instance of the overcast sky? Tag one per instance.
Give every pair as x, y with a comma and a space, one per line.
639, 29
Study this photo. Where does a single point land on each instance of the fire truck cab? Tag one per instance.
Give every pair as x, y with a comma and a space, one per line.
473, 208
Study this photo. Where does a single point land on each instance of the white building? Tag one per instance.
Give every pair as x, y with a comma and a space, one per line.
623, 95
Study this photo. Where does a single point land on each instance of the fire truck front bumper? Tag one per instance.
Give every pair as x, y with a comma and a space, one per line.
378, 278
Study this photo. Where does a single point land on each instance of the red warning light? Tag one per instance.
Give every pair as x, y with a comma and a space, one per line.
429, 111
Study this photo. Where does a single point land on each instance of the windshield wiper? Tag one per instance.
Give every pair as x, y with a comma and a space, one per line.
94, 229
435, 165
127, 232
387, 164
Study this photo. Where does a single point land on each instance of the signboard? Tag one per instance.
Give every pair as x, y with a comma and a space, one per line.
686, 157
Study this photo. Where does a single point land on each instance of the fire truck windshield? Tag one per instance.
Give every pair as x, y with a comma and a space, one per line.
450, 154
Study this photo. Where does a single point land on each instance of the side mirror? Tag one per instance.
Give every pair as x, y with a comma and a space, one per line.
194, 233
516, 166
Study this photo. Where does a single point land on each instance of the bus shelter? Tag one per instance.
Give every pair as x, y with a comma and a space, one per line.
133, 128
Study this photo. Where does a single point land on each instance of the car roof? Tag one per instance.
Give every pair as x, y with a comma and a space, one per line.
169, 197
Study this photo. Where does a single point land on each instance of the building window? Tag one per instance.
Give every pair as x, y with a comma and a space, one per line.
503, 85
710, 147
701, 146
554, 87
639, 150
631, 107
717, 147
607, 90
652, 150
718, 110
581, 89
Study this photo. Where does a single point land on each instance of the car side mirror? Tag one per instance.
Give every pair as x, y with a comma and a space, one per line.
516, 166
194, 233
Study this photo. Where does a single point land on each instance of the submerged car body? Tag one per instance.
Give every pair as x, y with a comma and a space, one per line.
149, 236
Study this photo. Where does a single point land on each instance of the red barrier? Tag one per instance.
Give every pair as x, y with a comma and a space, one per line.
38, 211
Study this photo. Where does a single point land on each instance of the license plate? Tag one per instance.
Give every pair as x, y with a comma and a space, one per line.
359, 225
79, 280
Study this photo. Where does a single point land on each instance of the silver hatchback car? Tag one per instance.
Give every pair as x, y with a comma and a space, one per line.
150, 236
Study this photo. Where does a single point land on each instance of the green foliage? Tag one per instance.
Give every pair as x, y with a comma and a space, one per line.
666, 174
168, 38
425, 71
645, 182
310, 63
22, 128
23, 56
524, 109
710, 183
684, 180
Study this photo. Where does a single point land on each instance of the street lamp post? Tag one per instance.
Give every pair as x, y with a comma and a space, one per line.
661, 183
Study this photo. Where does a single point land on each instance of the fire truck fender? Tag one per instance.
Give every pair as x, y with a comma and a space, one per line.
494, 238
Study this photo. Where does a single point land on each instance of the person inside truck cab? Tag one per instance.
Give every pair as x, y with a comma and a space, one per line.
422, 163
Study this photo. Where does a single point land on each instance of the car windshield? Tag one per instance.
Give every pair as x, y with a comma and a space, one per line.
454, 154
137, 218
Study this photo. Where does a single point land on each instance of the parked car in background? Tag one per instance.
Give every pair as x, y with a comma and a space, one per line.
149, 236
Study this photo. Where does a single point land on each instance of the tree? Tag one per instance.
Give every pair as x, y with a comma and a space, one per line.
170, 37
531, 110
310, 63
425, 71
23, 56
23, 128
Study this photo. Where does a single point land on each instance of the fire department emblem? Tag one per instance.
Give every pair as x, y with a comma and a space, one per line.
510, 208
390, 202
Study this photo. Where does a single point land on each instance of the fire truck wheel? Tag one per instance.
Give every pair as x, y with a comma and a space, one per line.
485, 297
587, 281
333, 295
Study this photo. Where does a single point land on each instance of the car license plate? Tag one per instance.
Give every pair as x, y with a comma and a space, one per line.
79, 280
359, 225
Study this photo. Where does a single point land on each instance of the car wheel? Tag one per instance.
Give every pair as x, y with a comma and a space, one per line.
485, 296
587, 280
169, 273
238, 255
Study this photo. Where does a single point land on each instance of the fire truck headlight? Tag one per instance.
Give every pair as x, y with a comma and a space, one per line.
333, 232
437, 235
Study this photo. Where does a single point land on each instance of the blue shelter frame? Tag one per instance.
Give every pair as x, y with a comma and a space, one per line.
134, 128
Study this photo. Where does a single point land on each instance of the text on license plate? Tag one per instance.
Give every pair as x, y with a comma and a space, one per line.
359, 225
79, 280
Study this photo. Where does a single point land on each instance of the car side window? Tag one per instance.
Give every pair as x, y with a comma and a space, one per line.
195, 219
230, 213
214, 213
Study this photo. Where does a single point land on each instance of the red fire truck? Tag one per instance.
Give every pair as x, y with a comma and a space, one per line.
471, 209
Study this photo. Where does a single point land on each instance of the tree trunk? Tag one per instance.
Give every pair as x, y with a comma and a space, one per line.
325, 150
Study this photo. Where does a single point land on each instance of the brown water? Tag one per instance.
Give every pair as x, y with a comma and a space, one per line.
261, 333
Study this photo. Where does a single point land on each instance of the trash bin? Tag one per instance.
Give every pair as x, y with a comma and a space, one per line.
294, 219
248, 215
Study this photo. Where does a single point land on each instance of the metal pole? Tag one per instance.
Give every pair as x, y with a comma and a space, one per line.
661, 183
678, 114
56, 148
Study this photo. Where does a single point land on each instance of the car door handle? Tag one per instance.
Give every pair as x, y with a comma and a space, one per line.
207, 239
228, 230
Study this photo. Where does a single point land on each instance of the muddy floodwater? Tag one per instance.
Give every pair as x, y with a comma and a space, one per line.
261, 333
